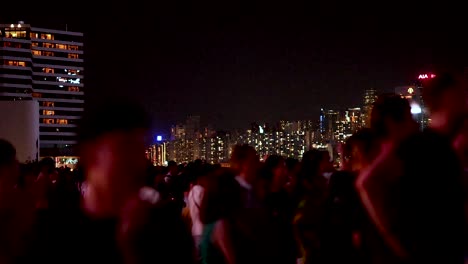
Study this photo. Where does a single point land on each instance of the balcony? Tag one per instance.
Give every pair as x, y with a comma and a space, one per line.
58, 83
58, 75
57, 41
78, 101
41, 65
56, 92
57, 58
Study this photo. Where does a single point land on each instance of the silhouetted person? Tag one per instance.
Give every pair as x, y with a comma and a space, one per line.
425, 222
245, 162
16, 210
312, 188
341, 235
122, 220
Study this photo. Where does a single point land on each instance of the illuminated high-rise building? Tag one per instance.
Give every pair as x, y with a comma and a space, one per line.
193, 137
332, 118
157, 154
414, 94
370, 96
45, 65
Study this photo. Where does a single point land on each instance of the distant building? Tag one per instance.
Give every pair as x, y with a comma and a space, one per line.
218, 147
20, 126
46, 66
414, 94
370, 96
157, 154
332, 121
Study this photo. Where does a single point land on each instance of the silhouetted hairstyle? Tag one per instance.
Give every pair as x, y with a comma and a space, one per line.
388, 106
112, 116
291, 163
270, 164
221, 196
241, 154
435, 88
7, 153
364, 139
47, 164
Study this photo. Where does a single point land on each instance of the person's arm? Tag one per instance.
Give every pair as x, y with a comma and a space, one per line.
372, 186
223, 239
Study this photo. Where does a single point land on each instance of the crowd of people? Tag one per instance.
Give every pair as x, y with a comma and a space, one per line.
399, 196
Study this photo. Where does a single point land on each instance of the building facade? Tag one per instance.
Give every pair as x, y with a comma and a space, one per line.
157, 154
45, 65
370, 96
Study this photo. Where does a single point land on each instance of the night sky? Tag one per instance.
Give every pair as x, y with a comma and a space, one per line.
235, 63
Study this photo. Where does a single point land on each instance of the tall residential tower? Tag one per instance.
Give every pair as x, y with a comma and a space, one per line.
45, 65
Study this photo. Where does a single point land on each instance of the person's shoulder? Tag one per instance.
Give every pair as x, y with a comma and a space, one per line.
425, 143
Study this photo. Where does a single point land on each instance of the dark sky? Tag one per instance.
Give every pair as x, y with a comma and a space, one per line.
234, 63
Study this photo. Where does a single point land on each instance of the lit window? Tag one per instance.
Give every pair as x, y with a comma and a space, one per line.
34, 44
48, 112
48, 70
34, 35
37, 52
48, 53
73, 47
72, 56
62, 121
15, 34
73, 89
16, 63
61, 46
47, 36
36, 95
48, 45
48, 104
48, 121
72, 72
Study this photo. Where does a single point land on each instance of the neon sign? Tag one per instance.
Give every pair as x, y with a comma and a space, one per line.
426, 76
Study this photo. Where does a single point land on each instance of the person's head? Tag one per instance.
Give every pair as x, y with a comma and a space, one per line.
221, 196
311, 164
47, 166
293, 167
391, 118
112, 138
28, 175
173, 168
445, 96
245, 161
358, 150
326, 163
9, 167
275, 173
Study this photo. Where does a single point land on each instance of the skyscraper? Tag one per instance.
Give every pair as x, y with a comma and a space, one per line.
192, 137
45, 65
331, 122
370, 96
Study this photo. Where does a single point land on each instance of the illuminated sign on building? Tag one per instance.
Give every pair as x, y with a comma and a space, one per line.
410, 90
159, 138
426, 76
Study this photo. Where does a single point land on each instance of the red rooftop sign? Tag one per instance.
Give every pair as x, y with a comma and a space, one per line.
426, 76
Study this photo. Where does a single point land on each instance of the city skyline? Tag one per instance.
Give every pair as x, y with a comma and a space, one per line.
233, 63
